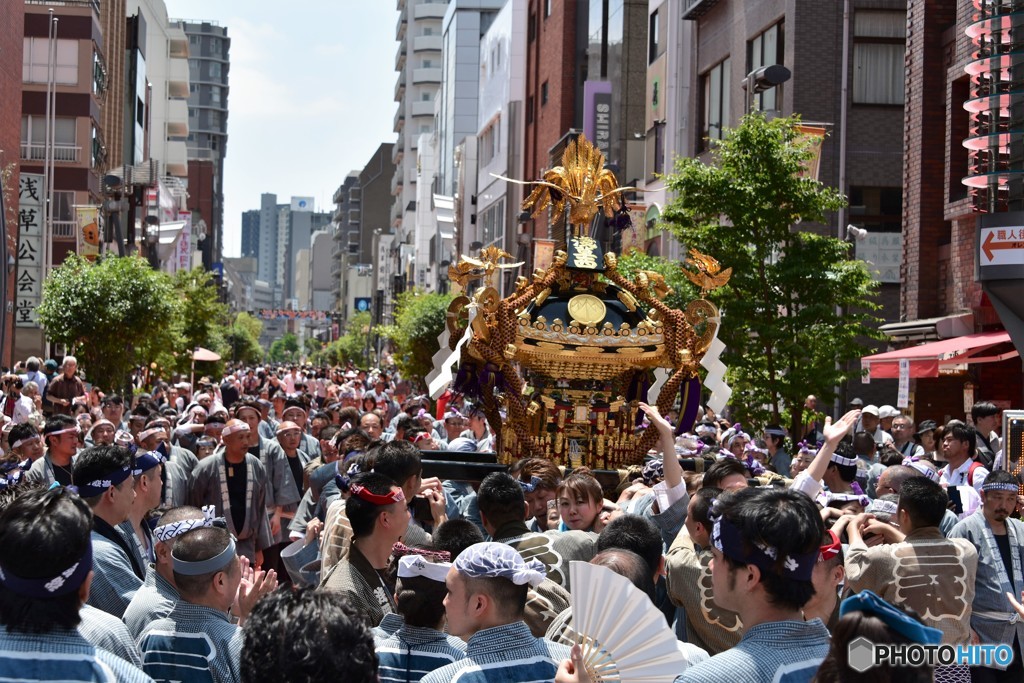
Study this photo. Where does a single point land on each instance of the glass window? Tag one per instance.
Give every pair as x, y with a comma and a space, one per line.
716, 100
654, 48
215, 69
215, 94
36, 60
764, 50
879, 50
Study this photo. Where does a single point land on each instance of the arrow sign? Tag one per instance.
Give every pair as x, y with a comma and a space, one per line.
991, 246
1002, 246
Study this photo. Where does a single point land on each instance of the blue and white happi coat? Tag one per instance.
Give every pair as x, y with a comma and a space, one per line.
412, 652
193, 643
64, 656
153, 601
504, 654
109, 633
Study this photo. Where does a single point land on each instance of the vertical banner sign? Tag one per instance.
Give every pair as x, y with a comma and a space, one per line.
968, 398
597, 116
28, 289
903, 394
184, 255
814, 136
87, 232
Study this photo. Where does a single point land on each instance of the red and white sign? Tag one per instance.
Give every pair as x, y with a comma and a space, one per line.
184, 255
1002, 246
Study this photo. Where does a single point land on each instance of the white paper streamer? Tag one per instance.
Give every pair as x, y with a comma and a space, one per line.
443, 377
661, 376
715, 380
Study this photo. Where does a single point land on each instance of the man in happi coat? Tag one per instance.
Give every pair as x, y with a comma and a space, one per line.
487, 589
235, 483
196, 640
157, 596
46, 560
379, 515
999, 540
103, 475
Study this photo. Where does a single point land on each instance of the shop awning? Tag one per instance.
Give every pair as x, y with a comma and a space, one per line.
935, 358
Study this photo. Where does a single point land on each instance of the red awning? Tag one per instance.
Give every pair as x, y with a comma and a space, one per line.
927, 359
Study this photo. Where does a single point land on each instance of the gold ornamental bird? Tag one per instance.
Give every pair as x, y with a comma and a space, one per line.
582, 181
709, 274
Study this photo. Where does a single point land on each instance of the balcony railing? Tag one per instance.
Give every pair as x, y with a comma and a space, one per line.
64, 229
65, 154
694, 9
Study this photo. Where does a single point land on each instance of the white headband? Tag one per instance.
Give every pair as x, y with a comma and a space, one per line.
415, 565
840, 460
21, 442
231, 429
150, 432
76, 429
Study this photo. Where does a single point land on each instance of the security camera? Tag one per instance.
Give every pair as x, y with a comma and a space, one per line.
855, 233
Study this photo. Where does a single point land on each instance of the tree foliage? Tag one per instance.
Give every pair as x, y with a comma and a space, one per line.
202, 319
419, 320
109, 314
243, 339
683, 290
285, 349
351, 346
797, 303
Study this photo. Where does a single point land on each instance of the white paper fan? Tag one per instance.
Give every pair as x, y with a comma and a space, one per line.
624, 637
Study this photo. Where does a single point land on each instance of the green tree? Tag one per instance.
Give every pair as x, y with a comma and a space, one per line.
285, 349
312, 346
351, 346
203, 319
797, 304
111, 314
419, 319
683, 290
243, 338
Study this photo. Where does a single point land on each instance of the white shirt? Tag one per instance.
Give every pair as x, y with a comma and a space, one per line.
958, 477
23, 408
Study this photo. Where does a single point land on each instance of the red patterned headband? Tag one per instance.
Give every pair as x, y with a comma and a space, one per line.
401, 550
393, 496
830, 550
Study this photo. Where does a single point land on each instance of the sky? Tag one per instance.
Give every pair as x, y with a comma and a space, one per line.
311, 96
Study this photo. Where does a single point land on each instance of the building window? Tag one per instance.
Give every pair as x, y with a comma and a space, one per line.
529, 108
492, 224
36, 60
192, 87
654, 44
765, 49
547, 8
215, 47
428, 30
215, 94
717, 88
193, 40
877, 209
543, 93
33, 138
490, 141
215, 70
879, 50
428, 64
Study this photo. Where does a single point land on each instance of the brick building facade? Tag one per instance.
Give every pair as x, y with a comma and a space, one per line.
12, 26
940, 227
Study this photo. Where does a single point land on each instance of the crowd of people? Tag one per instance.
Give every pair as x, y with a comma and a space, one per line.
278, 524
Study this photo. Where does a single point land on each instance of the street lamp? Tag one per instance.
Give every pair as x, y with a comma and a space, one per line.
152, 232
856, 234
764, 78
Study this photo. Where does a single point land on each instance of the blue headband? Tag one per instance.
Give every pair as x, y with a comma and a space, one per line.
48, 587
209, 566
147, 461
727, 538
98, 487
897, 620
532, 486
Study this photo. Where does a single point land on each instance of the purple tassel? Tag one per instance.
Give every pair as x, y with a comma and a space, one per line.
689, 402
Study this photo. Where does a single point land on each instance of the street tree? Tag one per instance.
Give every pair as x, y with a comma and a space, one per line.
110, 314
285, 349
243, 339
798, 308
203, 319
419, 320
